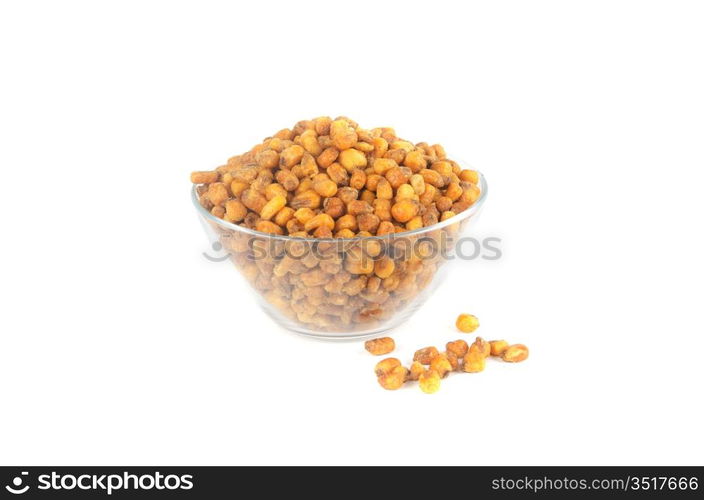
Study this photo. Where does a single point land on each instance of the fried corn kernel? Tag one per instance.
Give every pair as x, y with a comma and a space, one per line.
235, 211
457, 347
467, 323
217, 193
394, 379
385, 366
291, 156
498, 347
425, 355
474, 362
429, 381
481, 347
380, 346
455, 360
343, 135
272, 207
204, 177
441, 365
415, 371
515, 353
469, 176
352, 158
404, 210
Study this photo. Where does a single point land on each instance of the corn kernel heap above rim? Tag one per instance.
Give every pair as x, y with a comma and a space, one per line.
328, 178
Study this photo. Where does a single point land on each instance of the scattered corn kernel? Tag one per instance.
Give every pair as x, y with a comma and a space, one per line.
377, 347
425, 355
515, 353
429, 381
498, 347
467, 323
474, 362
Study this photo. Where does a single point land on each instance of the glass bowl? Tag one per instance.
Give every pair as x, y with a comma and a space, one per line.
339, 288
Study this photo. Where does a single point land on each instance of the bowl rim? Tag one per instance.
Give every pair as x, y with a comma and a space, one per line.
483, 187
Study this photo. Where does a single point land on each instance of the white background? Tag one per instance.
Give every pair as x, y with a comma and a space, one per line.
121, 344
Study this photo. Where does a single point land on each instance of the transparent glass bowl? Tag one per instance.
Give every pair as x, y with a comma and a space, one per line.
341, 288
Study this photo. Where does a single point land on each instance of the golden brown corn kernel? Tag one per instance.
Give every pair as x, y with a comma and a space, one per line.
368, 222
342, 134
266, 226
481, 347
384, 267
328, 157
287, 179
204, 177
384, 191
322, 125
385, 227
498, 347
381, 146
345, 233
474, 362
307, 199
338, 174
515, 353
404, 210
382, 209
351, 159
217, 193
415, 371
334, 207
447, 215
470, 195
377, 347
381, 165
235, 211
309, 141
394, 379
415, 160
304, 214
347, 221
347, 194
325, 188
373, 181
307, 168
455, 360
469, 176
453, 191
272, 207
359, 263
267, 158
364, 146
441, 365
429, 381
367, 196
397, 155
417, 183
443, 204
385, 366
432, 177
253, 200
218, 211
467, 323
283, 216
358, 179
396, 177
428, 196
442, 167
274, 189
291, 156
415, 223
458, 347
305, 185
425, 356
318, 221
357, 207
405, 192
